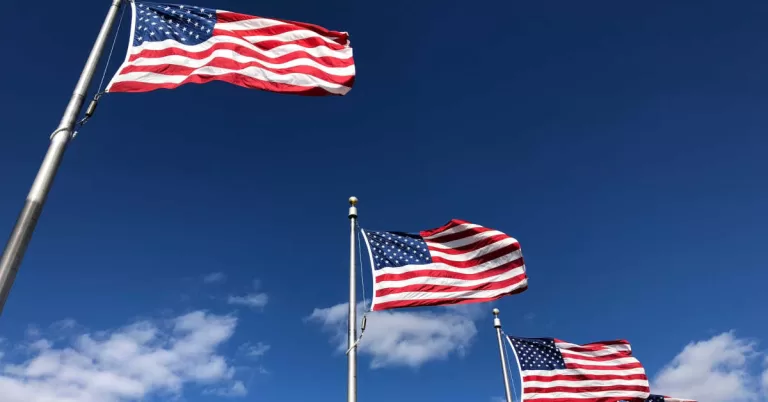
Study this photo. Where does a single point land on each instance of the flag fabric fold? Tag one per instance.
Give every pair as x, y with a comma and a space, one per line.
172, 45
460, 262
552, 370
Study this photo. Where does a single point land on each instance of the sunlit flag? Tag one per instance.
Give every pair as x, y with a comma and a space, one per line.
553, 370
460, 262
171, 45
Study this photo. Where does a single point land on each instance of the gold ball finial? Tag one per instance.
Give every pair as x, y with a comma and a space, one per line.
353, 201
495, 311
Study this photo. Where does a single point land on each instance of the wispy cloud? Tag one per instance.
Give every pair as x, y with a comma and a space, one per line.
236, 390
254, 351
135, 362
398, 338
253, 300
765, 379
215, 277
64, 324
474, 311
32, 331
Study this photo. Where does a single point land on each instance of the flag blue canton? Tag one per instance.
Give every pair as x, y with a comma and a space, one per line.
187, 25
655, 398
397, 249
538, 354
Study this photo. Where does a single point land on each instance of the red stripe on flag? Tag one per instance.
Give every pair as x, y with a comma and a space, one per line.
220, 62
584, 377
595, 346
627, 366
439, 273
585, 390
439, 302
227, 16
459, 235
450, 225
310, 42
448, 288
597, 358
544, 397
243, 51
472, 246
233, 78
479, 260
341, 38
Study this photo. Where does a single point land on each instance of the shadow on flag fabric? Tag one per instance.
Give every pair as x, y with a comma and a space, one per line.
171, 45
460, 262
552, 370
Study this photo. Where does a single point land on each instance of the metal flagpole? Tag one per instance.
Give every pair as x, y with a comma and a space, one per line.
497, 324
351, 341
25, 224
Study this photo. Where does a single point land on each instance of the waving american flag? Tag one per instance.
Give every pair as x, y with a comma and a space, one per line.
171, 45
557, 371
460, 262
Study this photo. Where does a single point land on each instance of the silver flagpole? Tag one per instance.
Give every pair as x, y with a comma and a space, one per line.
351, 341
25, 224
497, 324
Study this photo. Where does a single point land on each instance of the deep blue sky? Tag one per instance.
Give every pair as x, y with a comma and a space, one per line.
622, 144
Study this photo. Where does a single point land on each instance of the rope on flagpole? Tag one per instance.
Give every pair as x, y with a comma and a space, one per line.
364, 320
506, 356
95, 101
362, 274
111, 50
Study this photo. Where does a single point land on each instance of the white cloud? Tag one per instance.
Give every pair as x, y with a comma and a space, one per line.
765, 380
215, 277
472, 310
253, 300
40, 344
256, 350
400, 338
32, 332
237, 389
130, 363
715, 370
68, 323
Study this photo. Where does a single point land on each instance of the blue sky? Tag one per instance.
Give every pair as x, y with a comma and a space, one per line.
622, 144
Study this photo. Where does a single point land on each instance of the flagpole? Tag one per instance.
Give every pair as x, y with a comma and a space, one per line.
352, 339
497, 324
27, 220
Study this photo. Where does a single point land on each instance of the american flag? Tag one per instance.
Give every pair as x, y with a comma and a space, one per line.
459, 262
172, 45
556, 371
